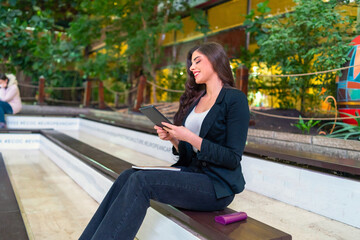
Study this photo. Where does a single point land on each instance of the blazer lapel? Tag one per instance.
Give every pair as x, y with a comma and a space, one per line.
211, 116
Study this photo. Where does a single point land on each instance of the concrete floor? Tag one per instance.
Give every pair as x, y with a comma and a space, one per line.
52, 204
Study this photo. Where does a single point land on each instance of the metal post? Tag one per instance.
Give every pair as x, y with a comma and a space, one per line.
101, 95
140, 92
242, 77
116, 101
41, 100
87, 96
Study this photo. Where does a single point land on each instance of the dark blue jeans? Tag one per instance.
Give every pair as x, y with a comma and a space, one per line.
123, 209
5, 108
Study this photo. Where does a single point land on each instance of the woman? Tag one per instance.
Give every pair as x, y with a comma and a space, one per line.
209, 137
10, 102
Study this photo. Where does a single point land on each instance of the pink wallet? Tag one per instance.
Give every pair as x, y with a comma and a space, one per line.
230, 218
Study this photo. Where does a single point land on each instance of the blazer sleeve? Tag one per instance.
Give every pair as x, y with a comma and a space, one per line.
228, 155
174, 151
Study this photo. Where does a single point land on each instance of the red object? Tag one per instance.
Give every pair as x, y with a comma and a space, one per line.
349, 111
354, 85
355, 41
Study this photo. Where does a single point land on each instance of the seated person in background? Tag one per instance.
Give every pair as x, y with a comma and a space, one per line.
10, 102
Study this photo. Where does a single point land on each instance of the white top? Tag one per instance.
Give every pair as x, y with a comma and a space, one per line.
11, 94
194, 121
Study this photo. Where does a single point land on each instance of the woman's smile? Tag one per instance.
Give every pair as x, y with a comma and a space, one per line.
196, 73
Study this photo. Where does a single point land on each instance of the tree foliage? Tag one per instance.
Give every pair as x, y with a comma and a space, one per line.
31, 38
135, 27
50, 37
313, 37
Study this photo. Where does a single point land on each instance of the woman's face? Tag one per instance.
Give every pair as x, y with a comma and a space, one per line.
3, 83
201, 68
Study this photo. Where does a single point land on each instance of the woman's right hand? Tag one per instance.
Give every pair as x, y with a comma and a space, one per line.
2, 83
163, 135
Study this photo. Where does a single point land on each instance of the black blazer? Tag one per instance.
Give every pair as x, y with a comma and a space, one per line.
224, 132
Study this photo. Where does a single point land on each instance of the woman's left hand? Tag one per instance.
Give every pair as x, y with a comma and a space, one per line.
179, 132
163, 134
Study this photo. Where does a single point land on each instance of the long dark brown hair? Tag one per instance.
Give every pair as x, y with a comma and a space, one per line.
5, 78
221, 65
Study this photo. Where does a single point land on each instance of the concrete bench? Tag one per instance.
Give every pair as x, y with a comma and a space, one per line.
333, 165
11, 222
202, 223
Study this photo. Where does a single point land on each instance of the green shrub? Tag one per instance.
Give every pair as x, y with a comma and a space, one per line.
344, 130
305, 126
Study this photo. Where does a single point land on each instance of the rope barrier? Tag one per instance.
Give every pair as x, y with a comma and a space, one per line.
27, 85
297, 118
52, 88
308, 74
28, 98
181, 91
165, 89
120, 93
64, 101
65, 88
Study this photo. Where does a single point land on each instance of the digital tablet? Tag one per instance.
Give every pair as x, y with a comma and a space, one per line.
154, 115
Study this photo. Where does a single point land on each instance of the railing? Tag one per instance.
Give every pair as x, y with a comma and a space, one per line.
42, 98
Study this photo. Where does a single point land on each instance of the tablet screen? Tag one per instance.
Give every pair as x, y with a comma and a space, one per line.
154, 115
